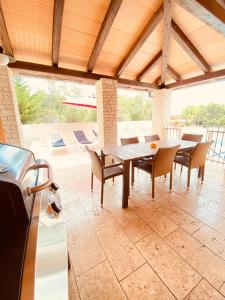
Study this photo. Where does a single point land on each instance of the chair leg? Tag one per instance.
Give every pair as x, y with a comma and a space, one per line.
91, 181
132, 174
188, 179
171, 180
175, 165
153, 187
113, 180
181, 168
203, 173
165, 176
102, 190
199, 172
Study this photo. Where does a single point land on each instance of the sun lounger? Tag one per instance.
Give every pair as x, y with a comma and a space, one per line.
95, 132
57, 140
81, 137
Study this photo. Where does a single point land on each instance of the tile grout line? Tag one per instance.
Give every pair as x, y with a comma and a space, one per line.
105, 254
187, 261
180, 257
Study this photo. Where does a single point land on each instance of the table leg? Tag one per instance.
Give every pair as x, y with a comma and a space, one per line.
103, 158
126, 184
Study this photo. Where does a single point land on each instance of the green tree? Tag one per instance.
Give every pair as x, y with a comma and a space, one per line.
30, 106
48, 107
212, 114
135, 108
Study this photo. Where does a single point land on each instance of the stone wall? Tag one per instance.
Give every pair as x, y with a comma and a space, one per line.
9, 113
161, 111
106, 95
43, 132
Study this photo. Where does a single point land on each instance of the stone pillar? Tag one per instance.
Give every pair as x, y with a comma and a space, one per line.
106, 95
9, 113
161, 111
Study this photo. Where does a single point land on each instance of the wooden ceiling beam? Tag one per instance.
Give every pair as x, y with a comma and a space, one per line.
39, 70
188, 47
197, 79
103, 33
150, 65
4, 36
209, 12
151, 25
157, 80
173, 73
56, 32
166, 38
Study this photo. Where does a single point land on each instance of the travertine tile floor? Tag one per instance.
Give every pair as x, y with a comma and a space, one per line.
172, 247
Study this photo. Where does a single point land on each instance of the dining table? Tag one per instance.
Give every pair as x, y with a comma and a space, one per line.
131, 152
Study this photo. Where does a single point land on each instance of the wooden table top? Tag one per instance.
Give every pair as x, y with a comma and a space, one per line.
141, 150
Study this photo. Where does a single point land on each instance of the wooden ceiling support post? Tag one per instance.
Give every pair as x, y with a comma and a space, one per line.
56, 32
103, 33
166, 37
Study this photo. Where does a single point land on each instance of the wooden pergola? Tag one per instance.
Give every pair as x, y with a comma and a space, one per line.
148, 44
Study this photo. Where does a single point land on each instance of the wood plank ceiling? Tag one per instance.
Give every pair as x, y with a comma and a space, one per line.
142, 43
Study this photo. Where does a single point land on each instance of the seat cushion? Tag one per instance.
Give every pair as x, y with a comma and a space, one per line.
183, 160
112, 172
59, 143
145, 166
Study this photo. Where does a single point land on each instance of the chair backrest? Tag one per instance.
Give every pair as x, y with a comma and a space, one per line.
192, 137
198, 154
79, 134
151, 138
131, 140
163, 161
96, 163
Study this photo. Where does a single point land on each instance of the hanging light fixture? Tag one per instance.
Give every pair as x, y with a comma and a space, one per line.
5, 59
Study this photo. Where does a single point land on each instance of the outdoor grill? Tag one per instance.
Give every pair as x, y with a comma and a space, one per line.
27, 228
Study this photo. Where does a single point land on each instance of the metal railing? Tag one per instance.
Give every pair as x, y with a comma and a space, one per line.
217, 150
173, 132
217, 135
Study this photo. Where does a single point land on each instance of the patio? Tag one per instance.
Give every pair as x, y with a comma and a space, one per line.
171, 247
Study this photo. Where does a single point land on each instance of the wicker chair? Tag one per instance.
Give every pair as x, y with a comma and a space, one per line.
192, 137
195, 159
102, 172
127, 141
131, 140
151, 138
160, 165
188, 137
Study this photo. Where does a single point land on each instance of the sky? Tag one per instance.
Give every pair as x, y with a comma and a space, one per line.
213, 91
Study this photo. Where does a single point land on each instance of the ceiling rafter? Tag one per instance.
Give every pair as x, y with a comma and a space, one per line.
157, 80
151, 25
56, 31
172, 73
44, 69
209, 12
4, 36
150, 65
189, 48
166, 37
197, 79
103, 33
